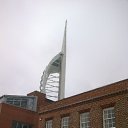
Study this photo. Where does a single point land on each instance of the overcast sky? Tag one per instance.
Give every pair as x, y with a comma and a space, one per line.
31, 34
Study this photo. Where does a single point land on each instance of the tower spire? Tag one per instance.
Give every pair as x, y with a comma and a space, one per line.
63, 66
63, 50
53, 79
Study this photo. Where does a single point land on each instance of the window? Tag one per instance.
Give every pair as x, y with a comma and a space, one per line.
49, 124
27, 103
65, 122
9, 100
85, 120
109, 118
16, 124
18, 102
24, 103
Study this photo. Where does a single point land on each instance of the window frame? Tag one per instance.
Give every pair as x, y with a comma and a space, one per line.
86, 119
106, 118
17, 124
65, 122
49, 123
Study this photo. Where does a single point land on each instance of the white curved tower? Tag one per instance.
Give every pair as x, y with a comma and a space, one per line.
53, 79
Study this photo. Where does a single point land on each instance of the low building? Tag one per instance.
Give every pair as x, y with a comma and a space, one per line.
104, 107
21, 111
16, 117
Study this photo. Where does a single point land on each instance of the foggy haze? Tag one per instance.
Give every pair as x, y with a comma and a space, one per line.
31, 34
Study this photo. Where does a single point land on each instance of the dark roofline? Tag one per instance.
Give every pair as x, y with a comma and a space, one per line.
93, 90
84, 101
17, 96
85, 95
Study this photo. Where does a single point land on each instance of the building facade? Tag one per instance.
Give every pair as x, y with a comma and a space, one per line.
16, 117
21, 111
104, 107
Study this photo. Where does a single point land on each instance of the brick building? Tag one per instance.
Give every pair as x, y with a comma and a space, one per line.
21, 111
104, 107
11, 116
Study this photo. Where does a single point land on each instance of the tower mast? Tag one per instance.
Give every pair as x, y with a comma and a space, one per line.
63, 66
51, 84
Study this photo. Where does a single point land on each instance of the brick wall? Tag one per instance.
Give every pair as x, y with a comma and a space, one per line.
114, 95
99, 92
10, 113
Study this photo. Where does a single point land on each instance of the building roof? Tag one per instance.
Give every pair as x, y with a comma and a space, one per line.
89, 96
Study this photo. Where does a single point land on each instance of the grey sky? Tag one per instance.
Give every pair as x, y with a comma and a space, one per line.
31, 33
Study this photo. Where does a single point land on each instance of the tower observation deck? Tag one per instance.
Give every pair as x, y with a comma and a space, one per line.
53, 79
